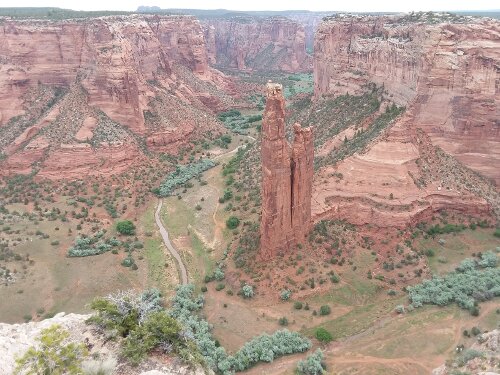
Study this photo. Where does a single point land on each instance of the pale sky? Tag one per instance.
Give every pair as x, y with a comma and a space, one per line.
315, 5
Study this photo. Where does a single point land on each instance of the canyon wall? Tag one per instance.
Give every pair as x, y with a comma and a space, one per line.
286, 179
254, 43
109, 83
446, 71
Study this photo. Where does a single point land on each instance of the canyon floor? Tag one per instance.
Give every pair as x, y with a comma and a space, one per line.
369, 336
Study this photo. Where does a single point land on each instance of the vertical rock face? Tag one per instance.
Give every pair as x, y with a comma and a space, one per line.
302, 176
276, 223
286, 179
444, 70
253, 43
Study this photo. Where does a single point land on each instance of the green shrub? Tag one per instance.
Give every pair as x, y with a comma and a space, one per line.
285, 294
219, 286
232, 222
283, 321
475, 331
335, 278
128, 262
159, 330
324, 310
497, 233
323, 335
312, 365
218, 274
247, 291
297, 305
125, 227
54, 356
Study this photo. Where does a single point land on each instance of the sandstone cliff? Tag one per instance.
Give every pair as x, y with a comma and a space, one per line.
286, 179
446, 72
78, 91
253, 43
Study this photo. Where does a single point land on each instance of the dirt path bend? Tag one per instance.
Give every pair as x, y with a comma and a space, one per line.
168, 244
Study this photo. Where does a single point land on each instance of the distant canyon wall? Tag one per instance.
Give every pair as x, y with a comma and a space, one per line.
148, 74
260, 44
447, 74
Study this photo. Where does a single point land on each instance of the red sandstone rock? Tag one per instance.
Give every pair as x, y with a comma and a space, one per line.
286, 179
446, 74
302, 177
251, 43
120, 65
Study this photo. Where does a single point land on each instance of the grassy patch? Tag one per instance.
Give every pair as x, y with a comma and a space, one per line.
176, 216
203, 257
357, 320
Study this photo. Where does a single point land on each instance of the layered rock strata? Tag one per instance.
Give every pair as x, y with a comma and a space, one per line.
104, 86
261, 44
446, 71
286, 179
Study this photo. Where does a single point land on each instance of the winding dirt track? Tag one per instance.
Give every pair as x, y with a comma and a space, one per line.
164, 234
168, 244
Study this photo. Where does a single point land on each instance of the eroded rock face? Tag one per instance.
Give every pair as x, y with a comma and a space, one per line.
286, 179
446, 74
252, 43
121, 80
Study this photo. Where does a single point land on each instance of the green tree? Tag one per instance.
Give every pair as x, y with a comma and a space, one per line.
232, 222
324, 310
55, 356
323, 335
125, 227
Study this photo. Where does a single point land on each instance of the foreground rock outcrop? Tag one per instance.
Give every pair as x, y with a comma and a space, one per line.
78, 91
15, 339
444, 69
482, 358
286, 179
260, 44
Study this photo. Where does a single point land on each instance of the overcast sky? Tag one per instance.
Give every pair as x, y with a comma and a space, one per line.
318, 5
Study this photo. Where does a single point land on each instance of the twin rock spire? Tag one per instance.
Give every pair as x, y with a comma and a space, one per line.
287, 174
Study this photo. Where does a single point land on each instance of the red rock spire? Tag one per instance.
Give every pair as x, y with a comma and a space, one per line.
286, 179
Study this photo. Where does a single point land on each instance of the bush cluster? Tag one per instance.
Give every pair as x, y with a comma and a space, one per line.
143, 323
263, 348
182, 174
312, 365
473, 281
93, 245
